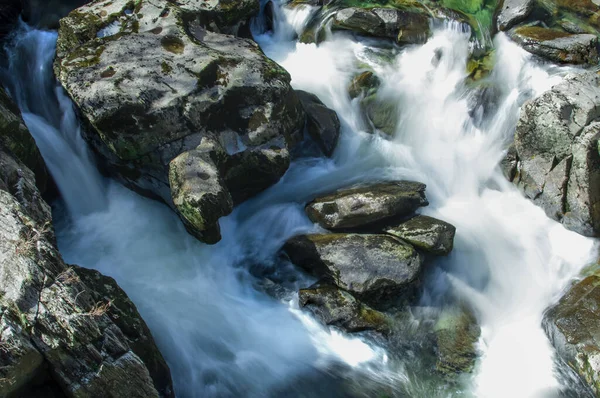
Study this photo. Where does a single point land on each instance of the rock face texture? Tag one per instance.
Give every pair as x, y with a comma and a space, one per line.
426, 233
572, 326
375, 268
367, 204
512, 12
322, 123
152, 81
336, 307
63, 332
556, 144
399, 25
558, 46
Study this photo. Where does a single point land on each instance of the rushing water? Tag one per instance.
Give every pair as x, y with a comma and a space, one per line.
221, 334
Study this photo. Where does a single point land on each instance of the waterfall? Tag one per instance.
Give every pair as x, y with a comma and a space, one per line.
220, 333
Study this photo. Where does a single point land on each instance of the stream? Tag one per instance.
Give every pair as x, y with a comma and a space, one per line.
226, 317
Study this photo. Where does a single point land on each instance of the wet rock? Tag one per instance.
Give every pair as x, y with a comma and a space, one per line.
151, 83
15, 137
199, 193
55, 330
427, 234
509, 163
381, 114
222, 16
362, 84
558, 46
125, 315
375, 268
322, 123
513, 12
556, 143
336, 307
457, 333
402, 26
572, 327
362, 205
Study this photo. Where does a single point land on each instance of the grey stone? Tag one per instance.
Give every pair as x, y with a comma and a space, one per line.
377, 269
426, 233
362, 205
322, 123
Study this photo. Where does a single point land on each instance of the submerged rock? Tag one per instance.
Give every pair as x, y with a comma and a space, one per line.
362, 205
403, 26
457, 333
322, 123
572, 327
374, 268
362, 83
426, 233
336, 307
558, 46
556, 142
55, 329
152, 82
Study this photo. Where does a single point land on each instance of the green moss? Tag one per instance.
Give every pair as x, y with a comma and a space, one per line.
166, 68
540, 34
86, 56
172, 44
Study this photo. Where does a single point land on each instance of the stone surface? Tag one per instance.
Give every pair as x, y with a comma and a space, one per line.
457, 333
402, 26
426, 233
15, 137
336, 307
377, 269
512, 12
54, 329
558, 46
556, 142
151, 83
572, 326
322, 123
362, 83
362, 205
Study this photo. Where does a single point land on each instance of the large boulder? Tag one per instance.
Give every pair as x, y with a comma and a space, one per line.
556, 143
151, 83
322, 123
403, 26
336, 307
364, 205
55, 329
513, 12
572, 326
426, 233
377, 269
557, 45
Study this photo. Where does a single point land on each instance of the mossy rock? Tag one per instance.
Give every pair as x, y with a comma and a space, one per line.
457, 333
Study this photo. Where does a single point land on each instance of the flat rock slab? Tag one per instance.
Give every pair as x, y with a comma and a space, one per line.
362, 205
426, 233
558, 46
374, 268
400, 25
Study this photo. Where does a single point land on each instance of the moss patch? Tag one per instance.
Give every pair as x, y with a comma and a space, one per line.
172, 44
